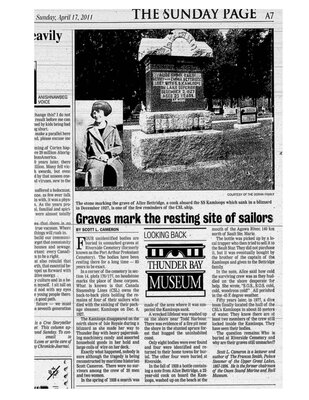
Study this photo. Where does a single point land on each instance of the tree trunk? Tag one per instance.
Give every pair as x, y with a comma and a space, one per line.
210, 104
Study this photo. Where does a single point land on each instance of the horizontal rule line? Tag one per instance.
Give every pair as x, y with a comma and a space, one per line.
161, 227
108, 233
138, 316
184, 227
50, 106
151, 22
197, 384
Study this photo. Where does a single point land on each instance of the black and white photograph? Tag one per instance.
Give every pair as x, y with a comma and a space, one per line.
198, 107
98, 144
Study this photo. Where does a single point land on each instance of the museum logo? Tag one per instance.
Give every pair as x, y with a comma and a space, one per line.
175, 270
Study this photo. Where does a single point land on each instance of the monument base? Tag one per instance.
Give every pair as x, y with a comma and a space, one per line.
247, 126
175, 148
174, 121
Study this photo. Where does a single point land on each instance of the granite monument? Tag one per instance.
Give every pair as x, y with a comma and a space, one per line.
175, 128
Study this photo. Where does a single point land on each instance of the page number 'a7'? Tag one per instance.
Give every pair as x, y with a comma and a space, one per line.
269, 15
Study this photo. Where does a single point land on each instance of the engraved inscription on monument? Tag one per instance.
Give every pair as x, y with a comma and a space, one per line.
177, 86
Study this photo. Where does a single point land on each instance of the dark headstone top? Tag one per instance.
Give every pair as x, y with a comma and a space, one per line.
247, 115
174, 72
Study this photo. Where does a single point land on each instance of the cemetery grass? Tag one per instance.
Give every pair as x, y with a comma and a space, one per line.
247, 158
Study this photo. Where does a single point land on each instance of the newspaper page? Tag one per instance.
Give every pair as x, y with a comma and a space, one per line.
157, 237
